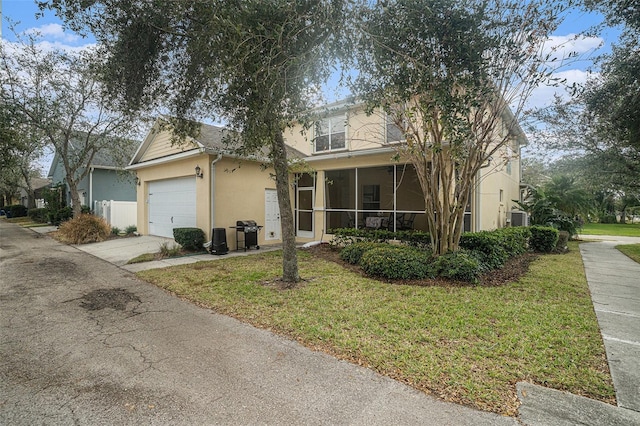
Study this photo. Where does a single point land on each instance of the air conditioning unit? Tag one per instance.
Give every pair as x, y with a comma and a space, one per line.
519, 218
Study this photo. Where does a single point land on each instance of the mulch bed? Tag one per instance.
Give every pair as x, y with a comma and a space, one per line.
513, 269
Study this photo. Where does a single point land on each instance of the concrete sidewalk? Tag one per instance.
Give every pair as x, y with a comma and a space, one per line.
614, 282
119, 251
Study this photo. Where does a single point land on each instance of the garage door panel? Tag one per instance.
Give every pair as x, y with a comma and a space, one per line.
172, 204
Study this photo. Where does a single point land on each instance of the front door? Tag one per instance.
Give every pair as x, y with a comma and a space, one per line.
272, 227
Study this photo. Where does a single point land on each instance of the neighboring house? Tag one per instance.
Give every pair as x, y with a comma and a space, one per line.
38, 185
106, 180
356, 182
201, 183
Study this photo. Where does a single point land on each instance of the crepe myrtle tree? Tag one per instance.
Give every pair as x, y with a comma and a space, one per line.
454, 77
60, 103
249, 62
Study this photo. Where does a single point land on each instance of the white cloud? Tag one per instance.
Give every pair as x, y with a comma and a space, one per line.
563, 47
543, 95
55, 32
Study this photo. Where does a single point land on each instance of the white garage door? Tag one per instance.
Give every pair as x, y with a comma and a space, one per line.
172, 204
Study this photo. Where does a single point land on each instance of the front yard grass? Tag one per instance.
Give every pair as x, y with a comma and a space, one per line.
614, 229
466, 344
631, 250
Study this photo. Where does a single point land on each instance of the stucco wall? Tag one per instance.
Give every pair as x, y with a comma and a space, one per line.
238, 192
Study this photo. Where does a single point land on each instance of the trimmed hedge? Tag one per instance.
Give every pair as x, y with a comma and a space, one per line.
15, 210
460, 265
353, 252
397, 263
343, 237
39, 215
189, 238
494, 248
543, 238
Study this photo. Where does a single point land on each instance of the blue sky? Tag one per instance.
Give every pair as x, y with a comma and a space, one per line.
576, 71
54, 35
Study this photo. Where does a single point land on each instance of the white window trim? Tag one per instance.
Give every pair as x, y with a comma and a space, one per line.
346, 139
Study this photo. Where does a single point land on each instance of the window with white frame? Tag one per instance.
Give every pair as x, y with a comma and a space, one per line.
330, 134
393, 132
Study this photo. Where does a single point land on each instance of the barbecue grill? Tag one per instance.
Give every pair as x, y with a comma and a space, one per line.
247, 234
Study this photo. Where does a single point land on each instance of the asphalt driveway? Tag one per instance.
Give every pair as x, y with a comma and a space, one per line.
83, 341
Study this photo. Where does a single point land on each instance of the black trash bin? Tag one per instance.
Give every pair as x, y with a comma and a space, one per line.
219, 241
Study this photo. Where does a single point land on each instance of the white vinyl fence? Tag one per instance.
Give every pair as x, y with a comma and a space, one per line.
119, 214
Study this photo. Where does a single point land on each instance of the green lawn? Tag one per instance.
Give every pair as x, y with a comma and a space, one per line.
615, 229
631, 250
468, 344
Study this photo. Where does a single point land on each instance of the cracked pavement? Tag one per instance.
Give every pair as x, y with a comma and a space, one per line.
84, 342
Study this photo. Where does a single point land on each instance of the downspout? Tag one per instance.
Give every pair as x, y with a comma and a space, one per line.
213, 181
91, 202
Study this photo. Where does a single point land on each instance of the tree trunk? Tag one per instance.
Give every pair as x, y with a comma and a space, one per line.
290, 272
75, 198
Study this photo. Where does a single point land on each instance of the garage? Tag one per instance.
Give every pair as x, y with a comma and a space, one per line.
172, 204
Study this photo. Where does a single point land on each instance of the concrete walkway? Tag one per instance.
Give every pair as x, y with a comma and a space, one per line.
121, 250
614, 282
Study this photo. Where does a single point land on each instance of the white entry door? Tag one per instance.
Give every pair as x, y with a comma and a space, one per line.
272, 226
172, 204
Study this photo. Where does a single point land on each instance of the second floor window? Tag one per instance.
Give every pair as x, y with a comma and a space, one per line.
394, 133
330, 134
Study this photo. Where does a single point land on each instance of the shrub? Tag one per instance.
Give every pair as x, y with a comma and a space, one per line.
459, 265
543, 238
115, 230
353, 252
608, 218
15, 210
514, 240
343, 237
38, 215
84, 229
397, 262
488, 246
56, 217
189, 238
167, 250
130, 229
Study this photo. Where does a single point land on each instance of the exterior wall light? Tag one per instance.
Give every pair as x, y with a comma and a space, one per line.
199, 172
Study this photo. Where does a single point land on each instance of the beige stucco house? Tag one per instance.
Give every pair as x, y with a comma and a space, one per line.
356, 181
359, 182
200, 183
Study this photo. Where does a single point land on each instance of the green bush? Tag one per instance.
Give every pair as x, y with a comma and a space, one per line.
543, 238
130, 229
38, 215
608, 218
343, 237
488, 245
115, 230
397, 263
56, 217
514, 240
15, 210
189, 238
353, 252
86, 228
459, 265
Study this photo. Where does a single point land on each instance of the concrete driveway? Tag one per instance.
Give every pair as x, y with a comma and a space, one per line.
83, 342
